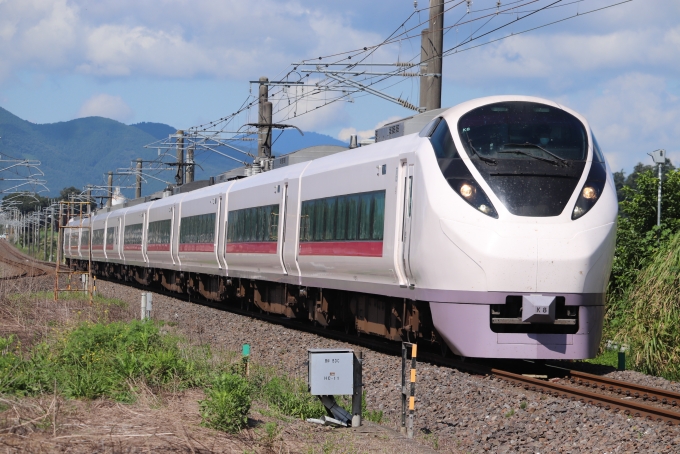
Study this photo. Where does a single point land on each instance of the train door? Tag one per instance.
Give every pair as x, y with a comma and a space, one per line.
145, 227
406, 223
282, 220
174, 235
218, 237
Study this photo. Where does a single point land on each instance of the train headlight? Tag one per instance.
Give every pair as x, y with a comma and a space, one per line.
472, 193
467, 190
590, 194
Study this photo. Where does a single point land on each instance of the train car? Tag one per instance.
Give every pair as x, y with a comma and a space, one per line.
490, 232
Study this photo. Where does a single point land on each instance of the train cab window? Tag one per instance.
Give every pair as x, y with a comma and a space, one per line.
352, 217
253, 225
133, 234
197, 229
85, 239
158, 232
532, 155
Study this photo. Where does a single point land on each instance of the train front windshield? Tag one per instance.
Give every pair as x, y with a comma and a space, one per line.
531, 155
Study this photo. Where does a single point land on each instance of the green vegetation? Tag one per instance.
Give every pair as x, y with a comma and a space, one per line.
227, 403
287, 396
102, 360
643, 300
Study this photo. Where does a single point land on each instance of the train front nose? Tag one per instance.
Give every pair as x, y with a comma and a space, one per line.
548, 260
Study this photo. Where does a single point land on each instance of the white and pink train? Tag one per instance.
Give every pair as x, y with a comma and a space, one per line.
491, 231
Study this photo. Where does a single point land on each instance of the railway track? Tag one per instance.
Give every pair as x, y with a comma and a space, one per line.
24, 265
615, 395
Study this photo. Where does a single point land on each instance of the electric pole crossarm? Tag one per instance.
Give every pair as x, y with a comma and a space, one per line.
372, 91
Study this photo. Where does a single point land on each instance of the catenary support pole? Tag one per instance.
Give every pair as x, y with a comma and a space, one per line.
179, 178
138, 188
189, 174
434, 66
109, 201
425, 50
52, 232
658, 208
264, 139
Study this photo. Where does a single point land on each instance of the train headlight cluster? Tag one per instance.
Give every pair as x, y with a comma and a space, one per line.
473, 194
590, 194
467, 190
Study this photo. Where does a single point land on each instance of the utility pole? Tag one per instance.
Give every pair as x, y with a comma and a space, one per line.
425, 52
109, 201
45, 242
264, 119
52, 228
189, 173
179, 178
138, 188
659, 157
432, 42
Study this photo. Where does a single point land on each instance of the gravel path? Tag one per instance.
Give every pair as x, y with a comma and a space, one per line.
455, 411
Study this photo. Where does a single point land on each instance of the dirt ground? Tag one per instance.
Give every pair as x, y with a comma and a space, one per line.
168, 422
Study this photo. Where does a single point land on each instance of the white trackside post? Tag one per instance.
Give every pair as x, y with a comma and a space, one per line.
143, 313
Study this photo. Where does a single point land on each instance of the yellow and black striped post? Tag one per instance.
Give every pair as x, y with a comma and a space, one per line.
407, 426
94, 284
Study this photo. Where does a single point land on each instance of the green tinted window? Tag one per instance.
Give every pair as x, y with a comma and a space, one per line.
255, 224
197, 229
85, 239
158, 232
133, 234
344, 218
110, 236
98, 237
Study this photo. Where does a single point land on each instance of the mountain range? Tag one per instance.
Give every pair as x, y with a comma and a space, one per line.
81, 151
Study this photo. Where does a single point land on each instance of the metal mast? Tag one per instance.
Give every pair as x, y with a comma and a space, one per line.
432, 42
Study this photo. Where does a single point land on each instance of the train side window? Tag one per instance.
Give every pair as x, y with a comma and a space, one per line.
344, 218
257, 224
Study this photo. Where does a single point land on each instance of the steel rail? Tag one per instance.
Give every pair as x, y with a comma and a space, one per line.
616, 404
622, 387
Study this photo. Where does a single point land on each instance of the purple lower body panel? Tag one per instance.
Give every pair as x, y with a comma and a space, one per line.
467, 331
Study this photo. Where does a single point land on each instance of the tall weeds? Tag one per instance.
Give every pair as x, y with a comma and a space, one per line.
647, 316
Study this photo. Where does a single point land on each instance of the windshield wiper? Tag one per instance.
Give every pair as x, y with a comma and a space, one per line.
527, 144
551, 161
481, 158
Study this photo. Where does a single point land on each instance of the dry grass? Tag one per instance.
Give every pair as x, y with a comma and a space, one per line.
160, 421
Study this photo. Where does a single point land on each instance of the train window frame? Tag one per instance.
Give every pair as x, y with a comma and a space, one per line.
159, 232
348, 217
198, 229
253, 225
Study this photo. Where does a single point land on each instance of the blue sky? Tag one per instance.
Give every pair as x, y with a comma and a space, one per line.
187, 62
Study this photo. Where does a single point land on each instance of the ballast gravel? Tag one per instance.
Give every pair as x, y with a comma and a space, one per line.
455, 411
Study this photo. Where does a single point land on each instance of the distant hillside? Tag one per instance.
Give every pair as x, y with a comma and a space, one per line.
82, 151
157, 130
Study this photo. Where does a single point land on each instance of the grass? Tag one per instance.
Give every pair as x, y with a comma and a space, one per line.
647, 317
102, 360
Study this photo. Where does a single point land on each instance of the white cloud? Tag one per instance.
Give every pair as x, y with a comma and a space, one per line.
107, 106
633, 115
211, 38
345, 133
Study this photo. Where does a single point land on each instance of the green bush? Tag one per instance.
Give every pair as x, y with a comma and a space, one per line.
97, 359
227, 403
651, 325
291, 397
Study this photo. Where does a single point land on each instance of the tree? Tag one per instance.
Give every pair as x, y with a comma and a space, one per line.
65, 193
